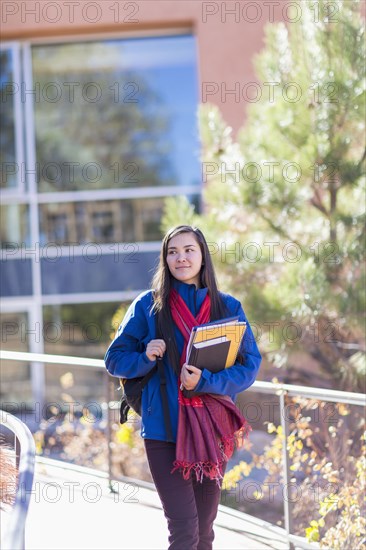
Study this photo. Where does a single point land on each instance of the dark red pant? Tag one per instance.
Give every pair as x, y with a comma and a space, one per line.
189, 506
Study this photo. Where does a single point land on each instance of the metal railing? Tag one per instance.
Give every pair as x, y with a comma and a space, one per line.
14, 536
289, 390
280, 390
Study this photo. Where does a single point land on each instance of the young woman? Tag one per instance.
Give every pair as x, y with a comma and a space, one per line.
187, 471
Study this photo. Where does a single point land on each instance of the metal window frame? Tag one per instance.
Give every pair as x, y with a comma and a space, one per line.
162, 32
17, 305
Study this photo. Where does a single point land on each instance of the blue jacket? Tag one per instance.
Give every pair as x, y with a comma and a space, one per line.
126, 358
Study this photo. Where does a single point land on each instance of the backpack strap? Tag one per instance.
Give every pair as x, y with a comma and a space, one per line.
164, 399
163, 391
148, 376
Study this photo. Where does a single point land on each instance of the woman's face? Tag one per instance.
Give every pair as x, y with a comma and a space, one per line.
184, 258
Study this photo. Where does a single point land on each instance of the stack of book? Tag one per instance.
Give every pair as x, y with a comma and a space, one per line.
214, 346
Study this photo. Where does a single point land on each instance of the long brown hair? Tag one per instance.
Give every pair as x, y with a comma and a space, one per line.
162, 285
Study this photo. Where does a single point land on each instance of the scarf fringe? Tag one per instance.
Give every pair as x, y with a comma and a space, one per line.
228, 443
211, 469
200, 470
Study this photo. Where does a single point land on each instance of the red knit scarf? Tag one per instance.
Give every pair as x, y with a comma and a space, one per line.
209, 425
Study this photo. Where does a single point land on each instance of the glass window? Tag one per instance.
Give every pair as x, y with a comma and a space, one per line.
128, 220
14, 225
102, 226
117, 113
7, 135
125, 268
15, 275
81, 330
15, 375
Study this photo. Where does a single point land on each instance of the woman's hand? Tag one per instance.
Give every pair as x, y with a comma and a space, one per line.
190, 376
155, 348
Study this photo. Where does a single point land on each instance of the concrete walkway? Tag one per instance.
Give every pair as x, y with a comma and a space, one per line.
73, 509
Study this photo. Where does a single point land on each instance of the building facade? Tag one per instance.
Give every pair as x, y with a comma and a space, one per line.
99, 110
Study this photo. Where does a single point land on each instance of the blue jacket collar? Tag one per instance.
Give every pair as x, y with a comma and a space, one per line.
192, 296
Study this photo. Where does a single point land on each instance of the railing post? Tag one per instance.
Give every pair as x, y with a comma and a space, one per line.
109, 398
286, 468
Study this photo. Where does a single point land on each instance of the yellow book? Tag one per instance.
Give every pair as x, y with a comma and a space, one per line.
230, 330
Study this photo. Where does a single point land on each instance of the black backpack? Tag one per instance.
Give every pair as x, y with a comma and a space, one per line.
132, 394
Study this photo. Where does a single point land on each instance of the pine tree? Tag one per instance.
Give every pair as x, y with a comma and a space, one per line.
285, 201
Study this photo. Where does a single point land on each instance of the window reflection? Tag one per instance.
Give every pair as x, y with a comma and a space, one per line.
14, 225
15, 375
102, 221
7, 134
80, 330
118, 113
